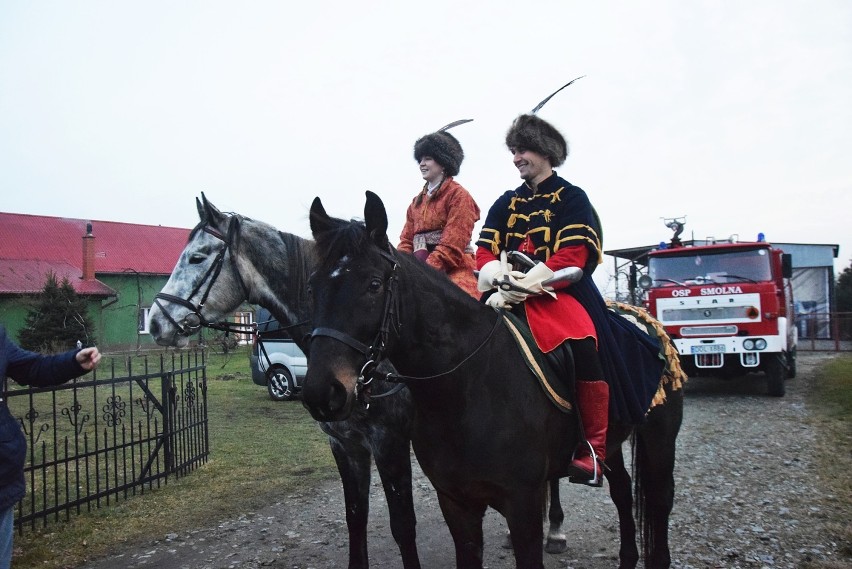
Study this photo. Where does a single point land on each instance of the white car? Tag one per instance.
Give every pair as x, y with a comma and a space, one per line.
276, 361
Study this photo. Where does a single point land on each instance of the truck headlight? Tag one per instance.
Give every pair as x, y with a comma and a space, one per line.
754, 344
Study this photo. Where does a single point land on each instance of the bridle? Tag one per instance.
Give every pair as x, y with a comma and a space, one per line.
375, 353
193, 322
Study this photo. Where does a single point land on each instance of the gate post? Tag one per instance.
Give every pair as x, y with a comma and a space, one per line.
168, 419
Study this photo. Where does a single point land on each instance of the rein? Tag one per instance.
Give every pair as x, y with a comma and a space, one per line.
195, 320
260, 344
375, 353
394, 377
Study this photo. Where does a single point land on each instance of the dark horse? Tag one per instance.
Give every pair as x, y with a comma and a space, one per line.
230, 259
484, 431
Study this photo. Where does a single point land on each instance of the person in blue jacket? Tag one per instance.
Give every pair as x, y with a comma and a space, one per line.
27, 368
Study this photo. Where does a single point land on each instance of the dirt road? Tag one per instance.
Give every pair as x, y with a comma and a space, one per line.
748, 494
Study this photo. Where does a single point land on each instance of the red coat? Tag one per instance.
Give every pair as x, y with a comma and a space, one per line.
554, 320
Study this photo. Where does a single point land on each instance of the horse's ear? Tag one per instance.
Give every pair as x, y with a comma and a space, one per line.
202, 215
376, 219
212, 215
319, 219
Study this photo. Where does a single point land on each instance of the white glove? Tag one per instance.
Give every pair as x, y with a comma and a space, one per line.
534, 277
514, 296
487, 274
496, 301
499, 271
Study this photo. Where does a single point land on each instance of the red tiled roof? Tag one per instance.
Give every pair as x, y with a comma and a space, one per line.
57, 243
28, 277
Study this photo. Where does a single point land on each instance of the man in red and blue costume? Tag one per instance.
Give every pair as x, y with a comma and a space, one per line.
553, 223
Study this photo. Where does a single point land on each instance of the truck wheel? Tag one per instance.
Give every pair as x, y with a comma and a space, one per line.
279, 383
791, 364
776, 373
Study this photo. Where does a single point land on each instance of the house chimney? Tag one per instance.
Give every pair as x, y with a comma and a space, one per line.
88, 254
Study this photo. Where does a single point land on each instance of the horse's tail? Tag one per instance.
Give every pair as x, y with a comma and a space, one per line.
640, 498
653, 447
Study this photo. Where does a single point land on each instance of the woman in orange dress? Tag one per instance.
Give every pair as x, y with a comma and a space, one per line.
439, 222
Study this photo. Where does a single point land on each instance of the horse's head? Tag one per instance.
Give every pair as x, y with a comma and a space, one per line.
204, 286
352, 292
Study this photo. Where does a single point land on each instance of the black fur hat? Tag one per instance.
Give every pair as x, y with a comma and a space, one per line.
443, 148
532, 133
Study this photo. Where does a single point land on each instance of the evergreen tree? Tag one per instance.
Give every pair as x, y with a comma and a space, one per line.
843, 295
844, 290
57, 320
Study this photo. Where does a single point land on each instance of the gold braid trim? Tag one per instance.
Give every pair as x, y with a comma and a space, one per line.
493, 242
533, 364
673, 374
592, 238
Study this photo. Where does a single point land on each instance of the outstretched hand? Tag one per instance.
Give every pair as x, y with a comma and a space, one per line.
88, 358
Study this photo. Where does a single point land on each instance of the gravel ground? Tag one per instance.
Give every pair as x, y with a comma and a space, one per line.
748, 494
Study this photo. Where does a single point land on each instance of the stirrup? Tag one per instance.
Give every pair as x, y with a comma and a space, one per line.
596, 479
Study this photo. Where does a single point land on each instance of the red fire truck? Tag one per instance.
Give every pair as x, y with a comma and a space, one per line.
727, 305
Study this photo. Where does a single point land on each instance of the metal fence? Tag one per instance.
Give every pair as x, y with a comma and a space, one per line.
118, 432
825, 331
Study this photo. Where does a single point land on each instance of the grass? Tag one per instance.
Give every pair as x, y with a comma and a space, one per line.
833, 389
260, 451
831, 396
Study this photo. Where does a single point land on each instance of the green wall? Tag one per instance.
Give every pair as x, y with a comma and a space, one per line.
13, 313
115, 319
14, 310
119, 317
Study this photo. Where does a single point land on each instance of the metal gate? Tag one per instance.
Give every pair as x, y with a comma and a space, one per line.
122, 430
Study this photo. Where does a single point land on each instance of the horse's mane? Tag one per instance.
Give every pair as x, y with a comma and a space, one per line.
301, 263
300, 256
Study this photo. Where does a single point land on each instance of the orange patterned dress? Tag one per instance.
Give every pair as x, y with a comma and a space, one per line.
438, 229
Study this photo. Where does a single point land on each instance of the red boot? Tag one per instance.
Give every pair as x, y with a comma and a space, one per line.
593, 407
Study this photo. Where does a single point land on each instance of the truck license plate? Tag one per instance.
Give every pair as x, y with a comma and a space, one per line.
708, 349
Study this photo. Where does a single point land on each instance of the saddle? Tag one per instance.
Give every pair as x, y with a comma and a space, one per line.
554, 370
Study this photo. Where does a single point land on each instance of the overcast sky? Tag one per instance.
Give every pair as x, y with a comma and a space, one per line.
735, 114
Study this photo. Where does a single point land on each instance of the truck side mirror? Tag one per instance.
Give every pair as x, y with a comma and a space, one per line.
787, 265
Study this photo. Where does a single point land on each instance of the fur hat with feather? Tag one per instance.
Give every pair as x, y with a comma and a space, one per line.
443, 148
532, 133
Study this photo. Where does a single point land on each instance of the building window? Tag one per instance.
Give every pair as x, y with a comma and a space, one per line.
245, 319
143, 320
